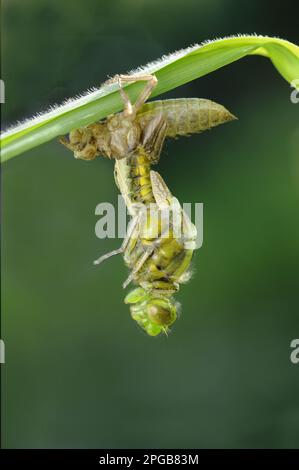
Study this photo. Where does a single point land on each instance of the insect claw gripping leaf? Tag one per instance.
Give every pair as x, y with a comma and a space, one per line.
158, 259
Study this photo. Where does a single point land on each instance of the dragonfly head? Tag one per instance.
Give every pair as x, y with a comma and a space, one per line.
82, 143
154, 314
89, 142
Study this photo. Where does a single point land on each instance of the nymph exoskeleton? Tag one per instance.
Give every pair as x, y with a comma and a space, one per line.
157, 253
119, 134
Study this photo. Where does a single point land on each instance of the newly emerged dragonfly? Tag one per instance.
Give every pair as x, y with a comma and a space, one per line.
158, 254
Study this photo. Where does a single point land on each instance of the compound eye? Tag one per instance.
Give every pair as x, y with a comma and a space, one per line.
161, 312
75, 137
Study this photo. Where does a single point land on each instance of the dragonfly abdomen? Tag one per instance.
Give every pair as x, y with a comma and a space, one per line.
139, 176
185, 116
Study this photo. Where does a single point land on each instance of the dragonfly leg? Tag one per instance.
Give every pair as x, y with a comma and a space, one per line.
128, 108
148, 252
147, 91
151, 80
124, 244
108, 255
138, 266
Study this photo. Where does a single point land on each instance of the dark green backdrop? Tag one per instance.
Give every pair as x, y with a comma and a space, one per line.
78, 371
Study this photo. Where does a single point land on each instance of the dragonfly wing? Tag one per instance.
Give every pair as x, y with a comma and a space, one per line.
161, 192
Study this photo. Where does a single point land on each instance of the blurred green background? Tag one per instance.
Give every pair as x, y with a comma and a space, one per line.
78, 372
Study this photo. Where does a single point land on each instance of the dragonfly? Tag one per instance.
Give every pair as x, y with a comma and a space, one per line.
161, 239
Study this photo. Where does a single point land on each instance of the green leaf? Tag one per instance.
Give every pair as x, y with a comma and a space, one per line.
172, 71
